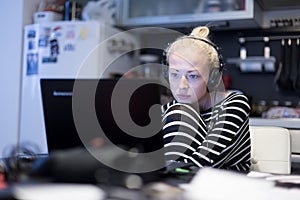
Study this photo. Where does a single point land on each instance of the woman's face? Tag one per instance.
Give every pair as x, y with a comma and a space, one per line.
188, 75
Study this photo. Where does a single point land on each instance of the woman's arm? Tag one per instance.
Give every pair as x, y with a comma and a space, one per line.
188, 138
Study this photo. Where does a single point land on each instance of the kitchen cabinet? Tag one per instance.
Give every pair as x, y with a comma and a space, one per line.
292, 124
178, 13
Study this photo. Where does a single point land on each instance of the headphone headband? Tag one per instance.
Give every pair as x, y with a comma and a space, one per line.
217, 48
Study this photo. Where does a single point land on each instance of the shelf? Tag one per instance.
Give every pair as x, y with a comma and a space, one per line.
254, 63
259, 59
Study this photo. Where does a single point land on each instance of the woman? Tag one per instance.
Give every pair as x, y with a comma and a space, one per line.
204, 125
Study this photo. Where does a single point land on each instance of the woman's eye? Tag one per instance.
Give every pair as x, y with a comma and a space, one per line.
193, 76
174, 75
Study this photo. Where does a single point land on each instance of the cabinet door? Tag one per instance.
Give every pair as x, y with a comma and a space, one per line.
164, 12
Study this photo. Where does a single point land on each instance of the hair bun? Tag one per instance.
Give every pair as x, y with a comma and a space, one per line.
200, 32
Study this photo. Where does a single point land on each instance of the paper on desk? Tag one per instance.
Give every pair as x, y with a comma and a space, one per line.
216, 184
61, 191
255, 174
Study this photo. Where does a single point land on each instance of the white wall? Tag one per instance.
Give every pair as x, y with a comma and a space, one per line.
10, 57
14, 15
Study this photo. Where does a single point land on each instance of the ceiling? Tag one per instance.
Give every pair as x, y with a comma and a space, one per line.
278, 4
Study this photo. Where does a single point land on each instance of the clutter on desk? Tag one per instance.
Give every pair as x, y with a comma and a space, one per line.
65, 166
292, 179
63, 191
280, 180
163, 191
18, 160
218, 184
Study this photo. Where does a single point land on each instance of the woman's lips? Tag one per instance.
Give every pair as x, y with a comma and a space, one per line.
182, 96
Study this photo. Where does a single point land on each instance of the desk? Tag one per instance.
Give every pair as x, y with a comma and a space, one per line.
209, 182
77, 191
165, 186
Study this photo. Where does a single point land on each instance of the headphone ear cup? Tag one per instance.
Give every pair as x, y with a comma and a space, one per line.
165, 71
165, 67
214, 80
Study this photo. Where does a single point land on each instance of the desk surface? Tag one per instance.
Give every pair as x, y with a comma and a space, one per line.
166, 190
209, 182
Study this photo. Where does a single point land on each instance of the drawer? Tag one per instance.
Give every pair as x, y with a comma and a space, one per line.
295, 140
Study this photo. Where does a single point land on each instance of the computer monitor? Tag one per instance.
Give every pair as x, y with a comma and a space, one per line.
120, 112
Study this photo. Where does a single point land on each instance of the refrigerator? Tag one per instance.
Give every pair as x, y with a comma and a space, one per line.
67, 49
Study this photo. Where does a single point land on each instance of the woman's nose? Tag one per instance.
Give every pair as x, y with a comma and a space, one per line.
183, 82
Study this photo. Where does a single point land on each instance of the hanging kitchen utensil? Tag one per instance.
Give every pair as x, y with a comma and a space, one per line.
243, 50
267, 49
297, 67
294, 60
284, 81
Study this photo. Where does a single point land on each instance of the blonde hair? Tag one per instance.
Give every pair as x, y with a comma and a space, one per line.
201, 32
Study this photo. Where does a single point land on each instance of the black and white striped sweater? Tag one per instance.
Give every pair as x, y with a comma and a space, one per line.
220, 140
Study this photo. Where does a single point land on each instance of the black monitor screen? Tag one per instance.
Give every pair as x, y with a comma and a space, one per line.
123, 110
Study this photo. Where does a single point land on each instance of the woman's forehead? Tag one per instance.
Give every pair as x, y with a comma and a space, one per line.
189, 59
192, 54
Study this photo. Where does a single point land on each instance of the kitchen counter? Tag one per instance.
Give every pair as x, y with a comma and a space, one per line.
290, 123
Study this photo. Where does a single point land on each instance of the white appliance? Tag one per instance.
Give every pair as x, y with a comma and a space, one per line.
71, 49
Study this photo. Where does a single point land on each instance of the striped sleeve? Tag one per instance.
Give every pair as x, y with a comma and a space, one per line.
219, 138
